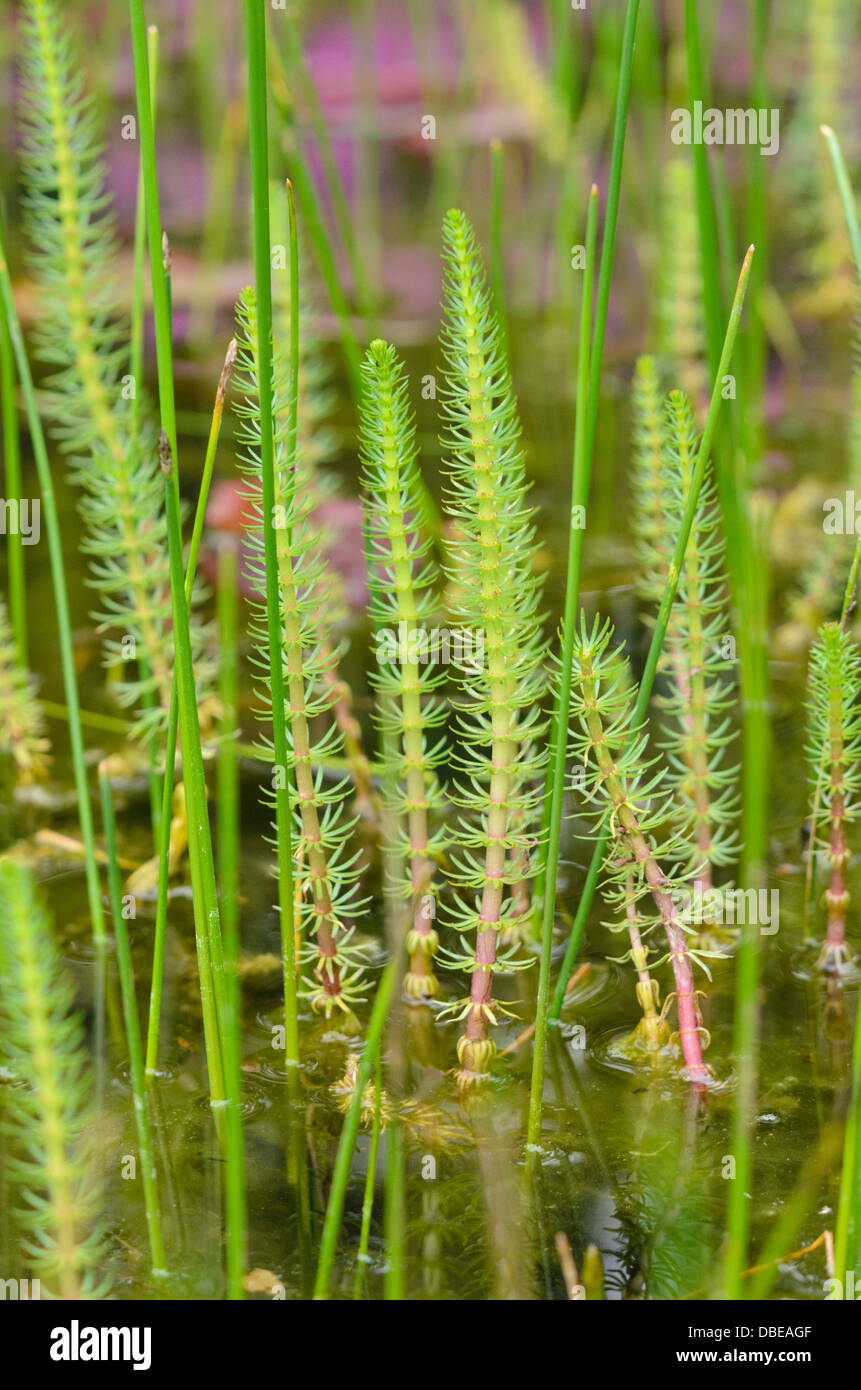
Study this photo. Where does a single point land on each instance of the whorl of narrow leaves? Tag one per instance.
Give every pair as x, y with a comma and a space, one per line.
697, 726
73, 253
640, 868
326, 870
653, 536
834, 759
404, 577
46, 1113
499, 720
22, 729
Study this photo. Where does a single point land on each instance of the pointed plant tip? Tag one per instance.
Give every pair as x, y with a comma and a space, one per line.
227, 369
826, 131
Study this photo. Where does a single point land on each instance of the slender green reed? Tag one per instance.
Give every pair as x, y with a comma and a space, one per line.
227, 766
847, 1236
394, 1214
709, 245
12, 493
559, 728
321, 242
662, 621
164, 819
608, 243
61, 598
136, 355
363, 25
259, 151
208, 942
299, 70
546, 886
136, 361
227, 785
207, 925
346, 1144
370, 1181
255, 26
847, 197
132, 1029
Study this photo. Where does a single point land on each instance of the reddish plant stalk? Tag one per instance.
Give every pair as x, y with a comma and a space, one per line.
628, 829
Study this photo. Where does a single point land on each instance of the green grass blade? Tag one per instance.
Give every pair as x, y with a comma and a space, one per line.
559, 730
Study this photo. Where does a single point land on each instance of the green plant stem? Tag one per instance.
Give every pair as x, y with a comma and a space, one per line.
370, 1179
602, 304
306, 199
12, 493
334, 183
136, 360
847, 197
346, 1144
208, 933
393, 1282
707, 221
200, 847
61, 598
608, 243
559, 728
136, 354
227, 782
648, 677
227, 766
132, 1028
160, 933
259, 150
848, 1221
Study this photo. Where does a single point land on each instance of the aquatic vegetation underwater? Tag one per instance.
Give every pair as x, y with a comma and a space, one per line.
430, 682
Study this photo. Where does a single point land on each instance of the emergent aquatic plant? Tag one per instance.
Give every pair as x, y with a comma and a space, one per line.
91, 396
834, 756
325, 869
630, 803
404, 579
499, 718
48, 1115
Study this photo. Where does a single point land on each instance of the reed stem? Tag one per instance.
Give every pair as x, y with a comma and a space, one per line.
346, 1144
132, 1029
12, 493
559, 727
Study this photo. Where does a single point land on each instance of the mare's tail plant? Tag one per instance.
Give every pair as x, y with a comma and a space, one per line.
47, 1114
499, 720
316, 444
73, 253
649, 487
834, 756
631, 800
22, 729
697, 728
326, 872
404, 580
